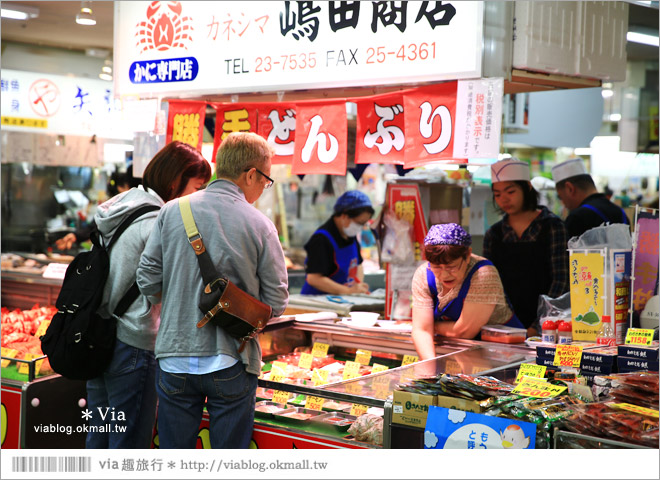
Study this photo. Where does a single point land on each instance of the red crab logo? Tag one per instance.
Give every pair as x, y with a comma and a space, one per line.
165, 28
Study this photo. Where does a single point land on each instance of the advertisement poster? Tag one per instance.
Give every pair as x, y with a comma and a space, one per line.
455, 429
645, 254
586, 273
621, 264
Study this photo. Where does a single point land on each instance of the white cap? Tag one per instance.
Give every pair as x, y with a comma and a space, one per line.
509, 170
570, 168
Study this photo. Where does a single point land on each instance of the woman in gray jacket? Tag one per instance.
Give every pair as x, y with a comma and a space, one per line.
123, 400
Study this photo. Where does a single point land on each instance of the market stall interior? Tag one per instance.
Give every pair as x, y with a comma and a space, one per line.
372, 103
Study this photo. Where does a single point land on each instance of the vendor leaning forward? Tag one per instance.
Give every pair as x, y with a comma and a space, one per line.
455, 293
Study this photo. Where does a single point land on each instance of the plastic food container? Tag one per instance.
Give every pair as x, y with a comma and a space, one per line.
334, 422
296, 415
549, 331
503, 334
364, 319
564, 332
266, 409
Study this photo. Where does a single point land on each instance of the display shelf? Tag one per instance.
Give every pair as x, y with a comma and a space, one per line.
571, 440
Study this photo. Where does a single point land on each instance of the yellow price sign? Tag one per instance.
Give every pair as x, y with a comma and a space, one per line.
377, 368
530, 370
531, 387
276, 377
314, 403
278, 368
567, 356
357, 410
280, 397
639, 336
351, 370
363, 357
8, 352
319, 377
649, 412
25, 367
320, 349
408, 359
306, 360
43, 326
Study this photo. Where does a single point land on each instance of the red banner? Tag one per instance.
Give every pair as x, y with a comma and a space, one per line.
380, 134
277, 124
231, 117
185, 123
321, 133
429, 122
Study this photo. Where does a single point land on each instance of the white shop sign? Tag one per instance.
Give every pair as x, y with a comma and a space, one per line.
192, 48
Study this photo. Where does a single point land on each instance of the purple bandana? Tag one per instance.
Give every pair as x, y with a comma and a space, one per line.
448, 234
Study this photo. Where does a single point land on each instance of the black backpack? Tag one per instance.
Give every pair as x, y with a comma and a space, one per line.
80, 343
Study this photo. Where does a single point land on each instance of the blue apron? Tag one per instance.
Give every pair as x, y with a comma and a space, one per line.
346, 260
602, 215
452, 311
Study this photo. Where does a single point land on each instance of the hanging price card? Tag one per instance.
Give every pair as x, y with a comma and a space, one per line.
319, 377
314, 403
25, 367
568, 356
351, 370
279, 369
377, 368
530, 387
306, 360
280, 396
320, 349
10, 353
530, 370
639, 336
363, 357
43, 326
408, 359
357, 410
634, 408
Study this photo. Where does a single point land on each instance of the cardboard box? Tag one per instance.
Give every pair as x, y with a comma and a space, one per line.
411, 408
636, 351
459, 404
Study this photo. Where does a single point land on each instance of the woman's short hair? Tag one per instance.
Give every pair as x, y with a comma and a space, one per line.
240, 151
530, 197
444, 254
172, 167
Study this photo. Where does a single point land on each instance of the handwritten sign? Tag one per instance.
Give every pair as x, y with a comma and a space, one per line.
278, 370
639, 336
351, 370
408, 359
530, 370
280, 396
10, 353
306, 360
319, 377
530, 387
43, 326
25, 367
314, 403
567, 356
357, 410
55, 270
377, 368
320, 349
363, 357
636, 409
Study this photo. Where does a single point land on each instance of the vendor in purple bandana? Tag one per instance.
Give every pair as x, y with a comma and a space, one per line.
455, 292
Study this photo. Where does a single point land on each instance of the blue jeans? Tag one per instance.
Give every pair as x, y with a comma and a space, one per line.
230, 396
126, 395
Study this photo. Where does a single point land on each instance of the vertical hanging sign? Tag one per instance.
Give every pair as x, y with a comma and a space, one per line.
277, 124
586, 273
380, 136
231, 118
185, 123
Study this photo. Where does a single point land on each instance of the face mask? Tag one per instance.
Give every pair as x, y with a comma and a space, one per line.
353, 229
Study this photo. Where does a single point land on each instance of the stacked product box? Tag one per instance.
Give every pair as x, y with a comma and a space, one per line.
633, 358
596, 359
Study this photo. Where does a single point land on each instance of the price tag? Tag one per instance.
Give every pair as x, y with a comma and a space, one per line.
377, 368
639, 336
8, 352
314, 403
306, 360
634, 408
531, 387
530, 370
568, 356
357, 410
280, 396
363, 357
354, 388
55, 270
351, 370
43, 326
320, 349
279, 369
25, 367
408, 359
275, 377
319, 377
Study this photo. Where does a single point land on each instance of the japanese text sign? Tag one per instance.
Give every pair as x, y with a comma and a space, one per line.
639, 336
530, 370
537, 388
567, 356
277, 124
380, 134
185, 123
231, 118
586, 273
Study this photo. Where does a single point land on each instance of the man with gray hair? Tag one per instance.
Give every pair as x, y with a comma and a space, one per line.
198, 365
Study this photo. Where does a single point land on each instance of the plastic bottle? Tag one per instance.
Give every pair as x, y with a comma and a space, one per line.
565, 332
606, 335
549, 331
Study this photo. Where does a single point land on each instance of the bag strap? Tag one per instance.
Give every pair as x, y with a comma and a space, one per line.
208, 270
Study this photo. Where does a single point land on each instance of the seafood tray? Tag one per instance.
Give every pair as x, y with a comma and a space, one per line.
334, 422
296, 415
266, 409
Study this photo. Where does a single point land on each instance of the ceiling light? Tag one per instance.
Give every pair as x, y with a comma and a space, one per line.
607, 93
615, 117
106, 69
18, 12
85, 15
637, 37
105, 76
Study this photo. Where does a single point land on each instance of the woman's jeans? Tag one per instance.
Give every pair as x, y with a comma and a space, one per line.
123, 400
230, 399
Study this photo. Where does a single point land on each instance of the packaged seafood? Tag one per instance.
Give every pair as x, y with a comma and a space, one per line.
503, 334
265, 409
334, 422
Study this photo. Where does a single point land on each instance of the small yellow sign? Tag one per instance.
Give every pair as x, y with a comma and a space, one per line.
319, 377
24, 122
634, 408
377, 368
357, 410
275, 377
568, 356
320, 349
278, 369
351, 370
530, 370
25, 367
281, 397
408, 359
363, 357
43, 326
306, 360
639, 336
314, 403
531, 387
8, 352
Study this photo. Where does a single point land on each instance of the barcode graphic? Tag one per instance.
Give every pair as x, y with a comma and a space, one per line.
51, 464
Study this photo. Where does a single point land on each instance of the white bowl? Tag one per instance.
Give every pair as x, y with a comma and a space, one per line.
364, 319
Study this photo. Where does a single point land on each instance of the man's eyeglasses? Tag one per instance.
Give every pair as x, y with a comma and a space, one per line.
270, 180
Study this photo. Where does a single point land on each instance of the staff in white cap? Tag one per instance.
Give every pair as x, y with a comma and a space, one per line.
528, 246
577, 191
